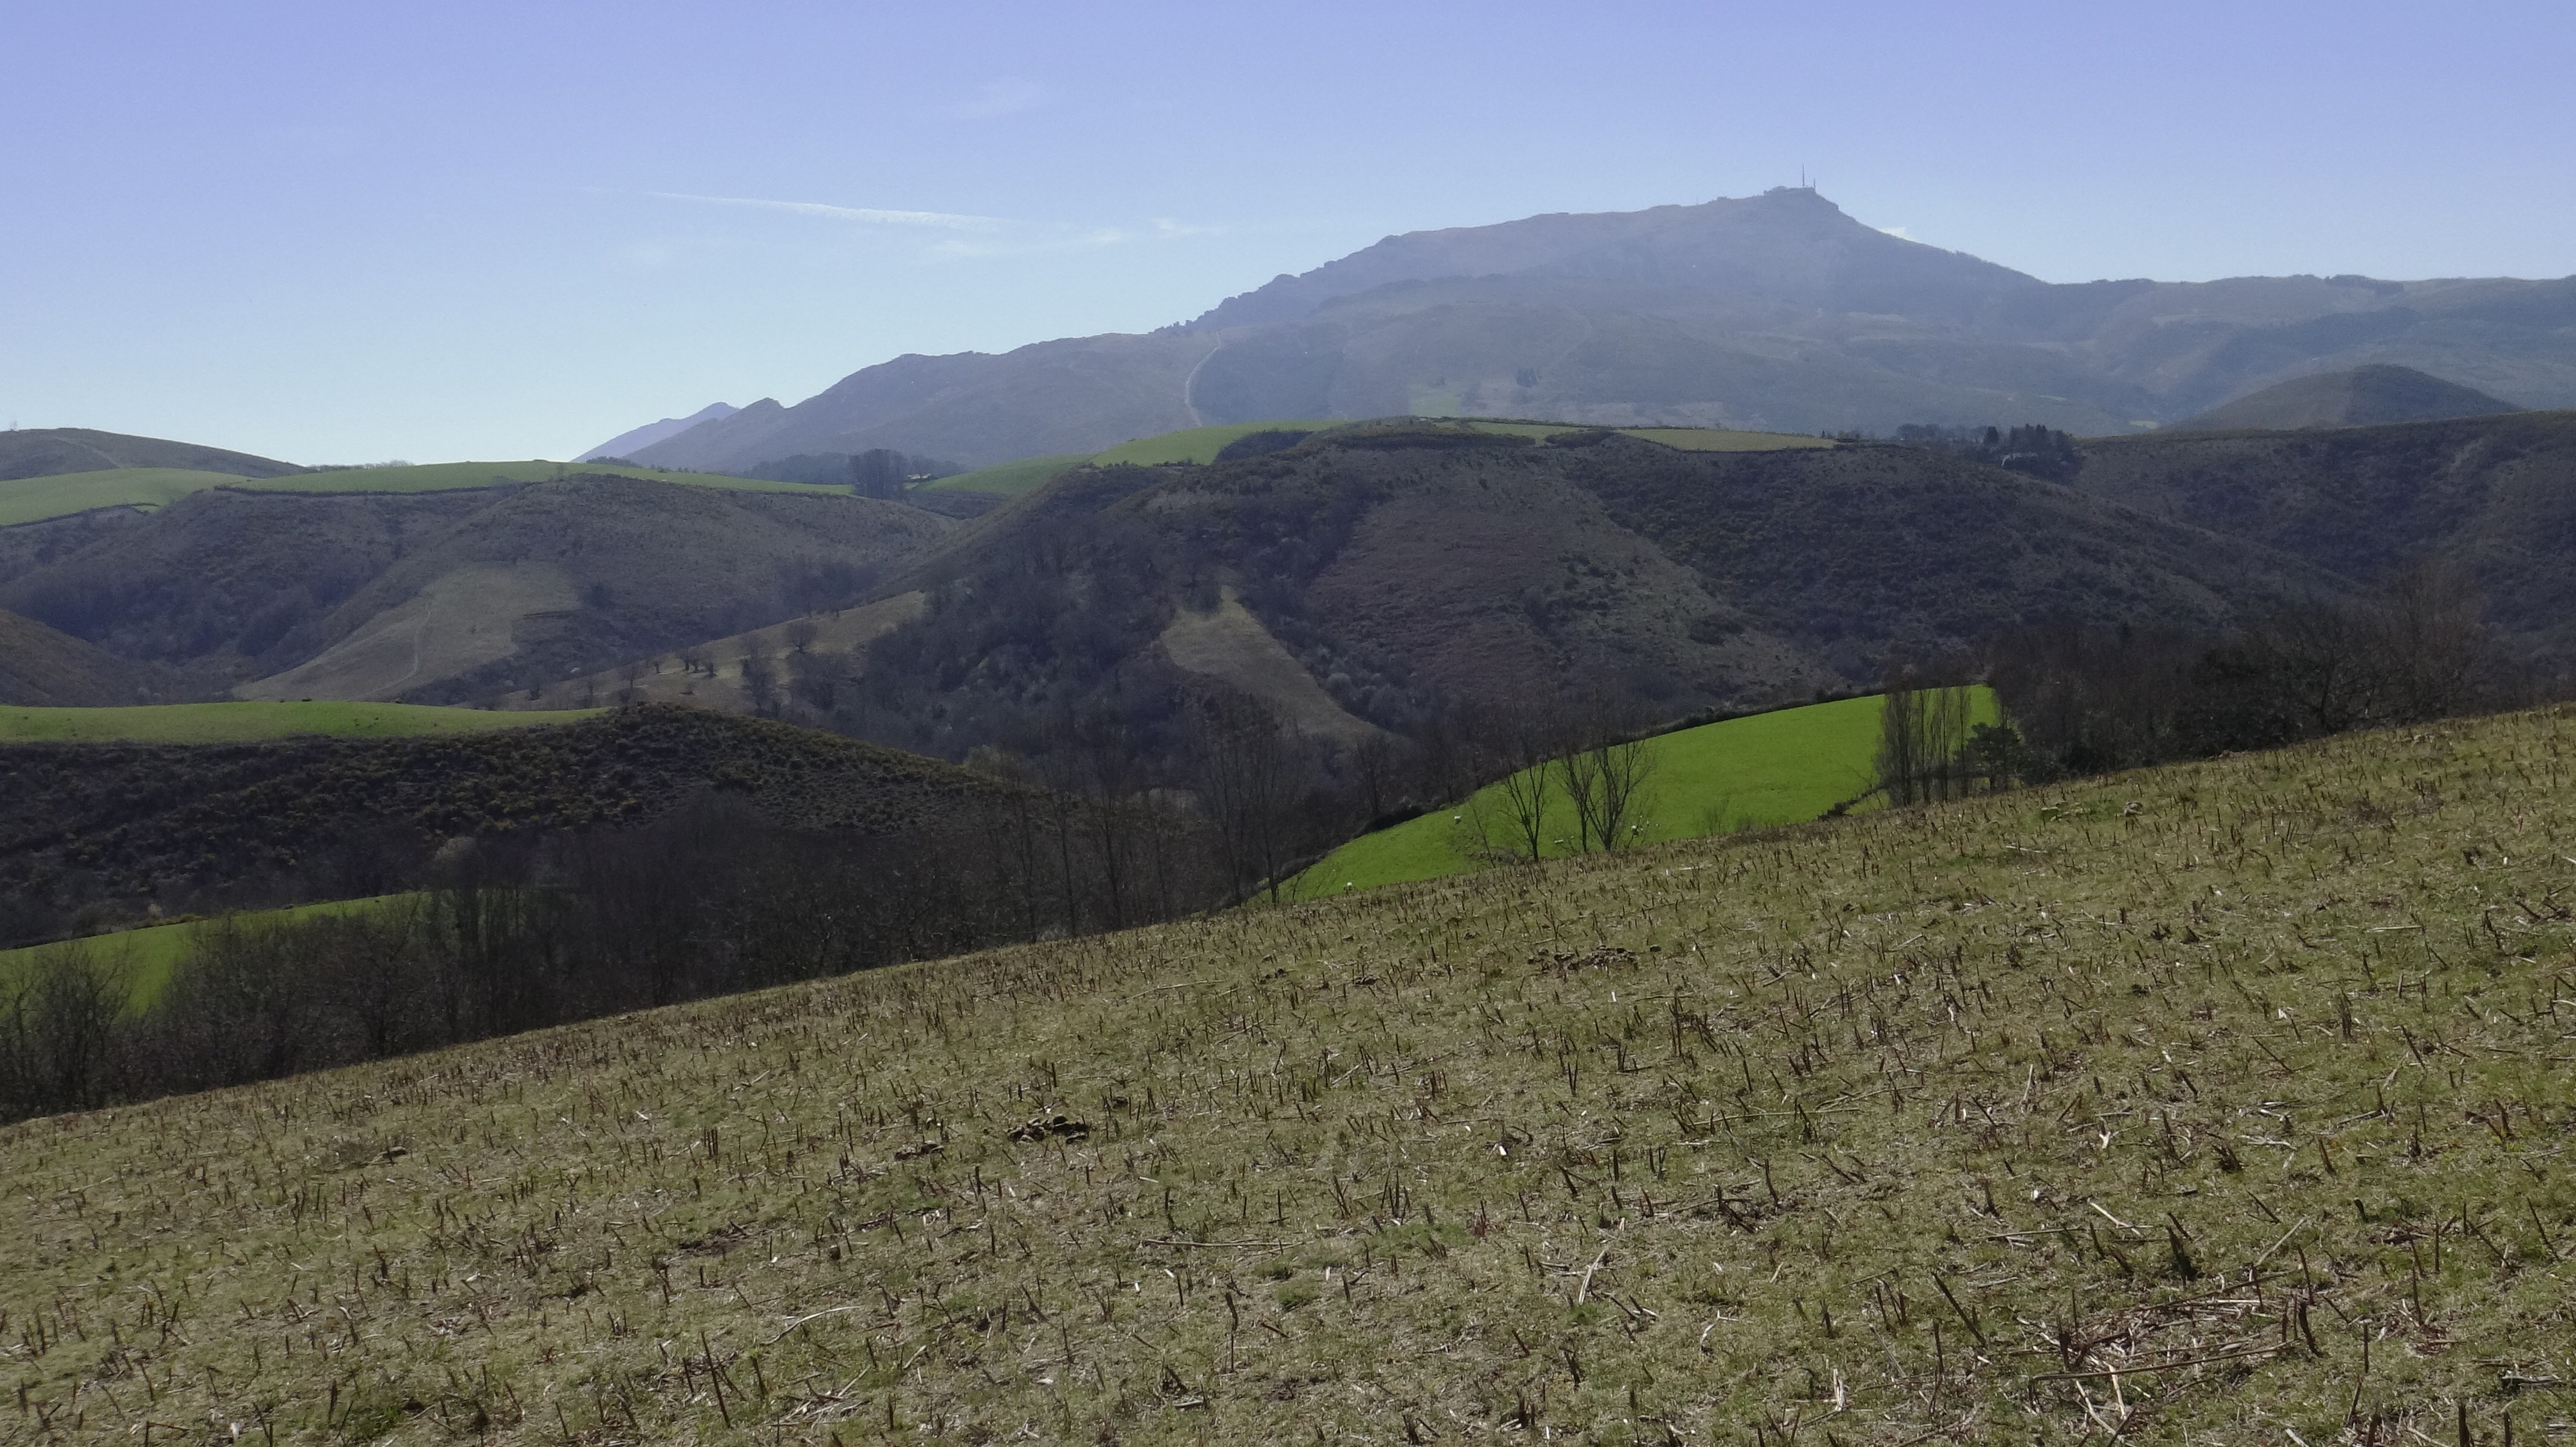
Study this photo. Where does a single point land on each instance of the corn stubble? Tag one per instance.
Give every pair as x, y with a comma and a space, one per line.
2223, 1103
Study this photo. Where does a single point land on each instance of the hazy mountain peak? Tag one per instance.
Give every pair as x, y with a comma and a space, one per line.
627, 443
1776, 312
1731, 242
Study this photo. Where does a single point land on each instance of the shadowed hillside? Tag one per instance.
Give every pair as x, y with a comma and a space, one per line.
2494, 497
1405, 564
41, 667
210, 824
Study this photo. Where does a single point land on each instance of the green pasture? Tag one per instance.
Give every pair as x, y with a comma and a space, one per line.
1197, 444
34, 499
459, 476
1010, 479
149, 954
254, 722
1745, 773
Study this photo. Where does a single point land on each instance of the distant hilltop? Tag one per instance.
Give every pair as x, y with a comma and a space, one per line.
2355, 397
625, 444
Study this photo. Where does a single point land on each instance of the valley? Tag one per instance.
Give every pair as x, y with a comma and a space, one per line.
1701, 824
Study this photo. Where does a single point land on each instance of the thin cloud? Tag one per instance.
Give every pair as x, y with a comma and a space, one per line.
998, 98
1036, 239
973, 236
941, 220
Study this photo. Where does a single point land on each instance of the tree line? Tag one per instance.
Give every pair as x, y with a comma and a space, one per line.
2091, 699
488, 935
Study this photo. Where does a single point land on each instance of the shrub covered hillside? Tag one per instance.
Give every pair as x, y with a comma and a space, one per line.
2219, 1103
207, 825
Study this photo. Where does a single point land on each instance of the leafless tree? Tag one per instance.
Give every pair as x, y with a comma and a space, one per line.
759, 680
1922, 732
1246, 768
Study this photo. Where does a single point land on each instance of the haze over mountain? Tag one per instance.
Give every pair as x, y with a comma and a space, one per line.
651, 432
1777, 311
2359, 397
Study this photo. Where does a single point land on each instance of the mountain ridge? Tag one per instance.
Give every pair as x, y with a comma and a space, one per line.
1777, 312
652, 432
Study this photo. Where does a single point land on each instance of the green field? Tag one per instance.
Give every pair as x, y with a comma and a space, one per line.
1771, 768
149, 954
1687, 439
34, 499
2220, 1104
458, 476
229, 723
1196, 444
1009, 479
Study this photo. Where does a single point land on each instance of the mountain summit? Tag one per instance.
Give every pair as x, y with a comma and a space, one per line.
1777, 312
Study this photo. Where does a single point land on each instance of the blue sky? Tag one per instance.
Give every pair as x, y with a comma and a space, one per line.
354, 231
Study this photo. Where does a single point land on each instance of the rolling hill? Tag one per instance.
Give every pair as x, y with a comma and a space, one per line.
38, 499
1404, 563
2216, 1102
2358, 397
47, 451
436, 593
2493, 496
1776, 312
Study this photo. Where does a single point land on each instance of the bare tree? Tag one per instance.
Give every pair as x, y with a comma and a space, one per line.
801, 634
1511, 818
1246, 768
759, 679
1922, 732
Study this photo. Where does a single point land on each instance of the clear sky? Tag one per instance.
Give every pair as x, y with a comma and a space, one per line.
353, 231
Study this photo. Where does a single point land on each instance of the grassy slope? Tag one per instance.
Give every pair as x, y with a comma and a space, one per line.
1196, 444
454, 476
221, 723
1773, 768
1010, 479
152, 952
1916, 1126
34, 499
